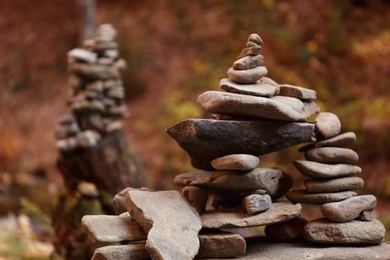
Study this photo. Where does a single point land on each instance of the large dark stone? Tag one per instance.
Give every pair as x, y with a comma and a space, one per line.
207, 139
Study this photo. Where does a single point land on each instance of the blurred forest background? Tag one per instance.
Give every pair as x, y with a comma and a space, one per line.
176, 50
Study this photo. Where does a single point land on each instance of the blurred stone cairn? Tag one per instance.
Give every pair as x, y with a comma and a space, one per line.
253, 116
95, 160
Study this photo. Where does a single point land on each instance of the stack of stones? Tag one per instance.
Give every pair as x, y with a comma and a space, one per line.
332, 184
253, 116
97, 101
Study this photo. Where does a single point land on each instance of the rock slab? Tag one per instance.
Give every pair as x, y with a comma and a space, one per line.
122, 252
171, 223
354, 232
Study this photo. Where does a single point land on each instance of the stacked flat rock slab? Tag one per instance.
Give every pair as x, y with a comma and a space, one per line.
97, 101
332, 184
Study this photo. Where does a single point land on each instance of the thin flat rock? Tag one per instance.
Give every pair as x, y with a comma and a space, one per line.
239, 162
354, 232
121, 252
301, 196
332, 155
248, 62
322, 170
207, 139
109, 229
219, 244
278, 107
166, 214
247, 76
273, 180
348, 209
299, 251
297, 92
255, 89
269, 81
238, 217
328, 124
253, 50
341, 140
332, 185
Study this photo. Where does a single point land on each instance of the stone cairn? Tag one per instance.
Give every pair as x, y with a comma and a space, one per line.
97, 92
253, 116
95, 160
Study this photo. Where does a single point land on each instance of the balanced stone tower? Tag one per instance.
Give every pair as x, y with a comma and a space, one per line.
252, 116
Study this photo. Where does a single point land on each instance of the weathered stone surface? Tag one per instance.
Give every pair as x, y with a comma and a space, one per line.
341, 140
273, 180
328, 124
299, 251
348, 209
239, 162
301, 196
331, 185
219, 244
109, 229
254, 89
365, 216
322, 170
119, 199
197, 197
248, 62
269, 81
254, 37
286, 231
94, 71
238, 217
297, 92
247, 76
277, 107
207, 139
354, 232
166, 214
332, 155
252, 50
122, 252
256, 203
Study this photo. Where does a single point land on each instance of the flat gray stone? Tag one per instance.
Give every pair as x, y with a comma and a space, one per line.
219, 244
255, 89
348, 209
239, 162
301, 196
166, 214
248, 62
354, 232
256, 203
94, 71
341, 140
332, 185
332, 155
207, 139
238, 217
285, 231
197, 197
322, 170
273, 180
252, 50
248, 75
122, 252
365, 216
110, 229
297, 92
299, 251
119, 199
277, 107
328, 124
